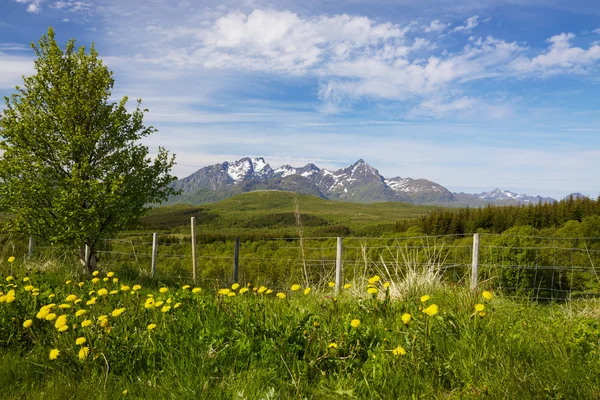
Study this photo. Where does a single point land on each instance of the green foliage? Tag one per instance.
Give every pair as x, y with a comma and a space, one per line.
498, 219
258, 346
73, 169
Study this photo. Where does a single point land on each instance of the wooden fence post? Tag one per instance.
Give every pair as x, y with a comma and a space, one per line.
475, 263
154, 252
194, 272
236, 259
338, 266
30, 251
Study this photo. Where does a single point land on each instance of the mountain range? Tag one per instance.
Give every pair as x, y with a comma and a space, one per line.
359, 182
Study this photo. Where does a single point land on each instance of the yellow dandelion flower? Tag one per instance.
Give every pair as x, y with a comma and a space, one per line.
431, 310
235, 286
53, 354
11, 259
159, 303
347, 286
77, 301
406, 318
333, 346
115, 280
482, 314
374, 279
79, 313
185, 287
3, 298
28, 288
231, 294
487, 295
117, 312
50, 317
479, 307
355, 323
269, 291
26, 279
372, 290
243, 290
80, 284
80, 340
151, 326
95, 273
399, 351
91, 301
104, 323
295, 288
83, 353
105, 279
136, 287
125, 392
223, 292
331, 284
165, 309
281, 295
196, 290
307, 290
71, 298
102, 292
27, 323
110, 274
63, 328
60, 321
86, 323
149, 303
262, 289
10, 299
113, 292
9, 278
425, 298
68, 282
163, 290
125, 288
386, 285
95, 280
177, 305
64, 306
42, 313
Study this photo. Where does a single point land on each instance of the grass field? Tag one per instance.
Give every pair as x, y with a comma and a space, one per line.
251, 342
274, 210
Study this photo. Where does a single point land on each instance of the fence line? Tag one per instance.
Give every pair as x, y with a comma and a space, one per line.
546, 269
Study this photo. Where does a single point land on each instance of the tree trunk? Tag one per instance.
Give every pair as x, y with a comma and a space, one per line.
88, 259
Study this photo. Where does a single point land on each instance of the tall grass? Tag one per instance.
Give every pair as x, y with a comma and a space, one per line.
259, 346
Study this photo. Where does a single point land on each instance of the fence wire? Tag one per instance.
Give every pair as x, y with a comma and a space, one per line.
545, 268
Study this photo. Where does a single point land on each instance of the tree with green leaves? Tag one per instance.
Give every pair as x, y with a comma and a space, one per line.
73, 169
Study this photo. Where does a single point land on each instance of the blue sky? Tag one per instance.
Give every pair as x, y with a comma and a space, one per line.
472, 94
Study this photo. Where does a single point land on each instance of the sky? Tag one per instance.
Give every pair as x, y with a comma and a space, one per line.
471, 94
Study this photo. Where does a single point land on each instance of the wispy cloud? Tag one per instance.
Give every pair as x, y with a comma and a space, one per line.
470, 23
435, 26
561, 57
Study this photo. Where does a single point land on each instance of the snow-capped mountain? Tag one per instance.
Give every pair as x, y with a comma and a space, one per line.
359, 182
497, 195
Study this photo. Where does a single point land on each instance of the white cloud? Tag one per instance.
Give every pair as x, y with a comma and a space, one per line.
33, 5
11, 70
438, 107
435, 26
596, 31
561, 57
33, 8
470, 23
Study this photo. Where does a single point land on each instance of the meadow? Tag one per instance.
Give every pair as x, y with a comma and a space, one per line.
64, 334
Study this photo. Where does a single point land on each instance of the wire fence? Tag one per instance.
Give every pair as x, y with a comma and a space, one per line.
544, 268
